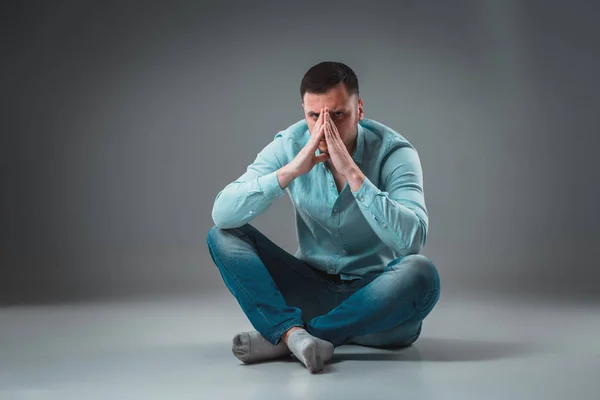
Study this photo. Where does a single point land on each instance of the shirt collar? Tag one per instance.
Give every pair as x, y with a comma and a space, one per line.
357, 155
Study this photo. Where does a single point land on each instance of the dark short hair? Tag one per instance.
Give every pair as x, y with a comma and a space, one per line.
326, 75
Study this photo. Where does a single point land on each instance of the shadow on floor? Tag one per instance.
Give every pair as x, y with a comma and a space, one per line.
441, 349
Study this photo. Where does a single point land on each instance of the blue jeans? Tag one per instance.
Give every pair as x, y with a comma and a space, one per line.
277, 291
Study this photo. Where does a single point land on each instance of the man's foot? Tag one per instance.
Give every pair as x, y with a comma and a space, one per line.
311, 351
251, 347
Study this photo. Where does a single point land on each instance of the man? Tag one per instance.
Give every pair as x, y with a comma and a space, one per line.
357, 191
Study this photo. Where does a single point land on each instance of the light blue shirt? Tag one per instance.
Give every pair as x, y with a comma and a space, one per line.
347, 233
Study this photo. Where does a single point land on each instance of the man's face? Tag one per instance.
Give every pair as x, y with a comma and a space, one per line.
345, 112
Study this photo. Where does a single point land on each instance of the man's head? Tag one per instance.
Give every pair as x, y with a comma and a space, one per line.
333, 85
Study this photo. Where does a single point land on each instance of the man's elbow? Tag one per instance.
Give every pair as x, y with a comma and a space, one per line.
416, 242
223, 219
226, 223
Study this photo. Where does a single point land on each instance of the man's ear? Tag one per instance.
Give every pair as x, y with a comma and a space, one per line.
361, 112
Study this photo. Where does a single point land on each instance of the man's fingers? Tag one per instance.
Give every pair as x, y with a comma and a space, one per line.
331, 126
327, 132
321, 157
317, 137
319, 122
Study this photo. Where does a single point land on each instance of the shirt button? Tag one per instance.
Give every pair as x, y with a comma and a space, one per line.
335, 210
344, 251
251, 212
362, 199
385, 225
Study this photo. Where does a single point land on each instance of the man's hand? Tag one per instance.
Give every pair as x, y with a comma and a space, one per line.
306, 159
340, 157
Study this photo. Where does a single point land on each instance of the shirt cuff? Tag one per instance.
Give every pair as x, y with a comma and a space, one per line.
366, 193
269, 184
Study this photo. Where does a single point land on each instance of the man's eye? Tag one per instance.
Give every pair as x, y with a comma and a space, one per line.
339, 114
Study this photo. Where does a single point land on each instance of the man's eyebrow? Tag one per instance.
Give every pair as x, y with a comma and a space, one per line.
331, 111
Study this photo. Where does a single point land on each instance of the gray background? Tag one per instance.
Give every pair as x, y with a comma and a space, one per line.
121, 121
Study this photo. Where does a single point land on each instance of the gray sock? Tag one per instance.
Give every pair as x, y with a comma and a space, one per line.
251, 347
312, 351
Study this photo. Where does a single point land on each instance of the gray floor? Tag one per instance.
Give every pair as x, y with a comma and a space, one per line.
179, 348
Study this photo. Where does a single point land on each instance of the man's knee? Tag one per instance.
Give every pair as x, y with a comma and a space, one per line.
212, 232
216, 235
221, 242
424, 279
424, 268
217, 239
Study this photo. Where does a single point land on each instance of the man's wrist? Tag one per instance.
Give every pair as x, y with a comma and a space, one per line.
355, 178
285, 175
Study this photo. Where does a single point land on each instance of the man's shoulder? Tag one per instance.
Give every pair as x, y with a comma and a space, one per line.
288, 142
382, 136
297, 132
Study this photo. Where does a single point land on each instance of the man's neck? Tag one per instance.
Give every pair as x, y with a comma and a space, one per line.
353, 149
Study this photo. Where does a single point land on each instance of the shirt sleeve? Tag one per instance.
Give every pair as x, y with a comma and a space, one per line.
397, 213
253, 192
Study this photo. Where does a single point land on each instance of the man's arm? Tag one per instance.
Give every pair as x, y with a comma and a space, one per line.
398, 215
253, 192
